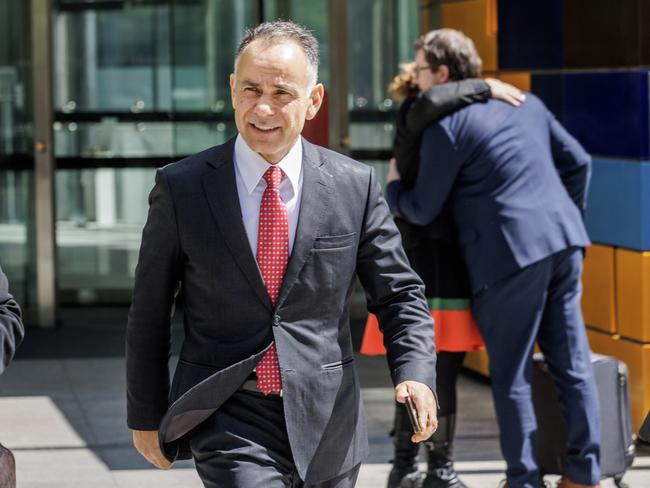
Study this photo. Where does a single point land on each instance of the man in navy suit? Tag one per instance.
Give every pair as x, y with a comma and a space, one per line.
516, 184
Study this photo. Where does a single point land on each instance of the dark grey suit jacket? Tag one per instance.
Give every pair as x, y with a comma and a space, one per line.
195, 238
11, 326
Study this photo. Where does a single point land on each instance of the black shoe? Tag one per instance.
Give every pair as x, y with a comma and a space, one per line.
440, 471
405, 479
405, 473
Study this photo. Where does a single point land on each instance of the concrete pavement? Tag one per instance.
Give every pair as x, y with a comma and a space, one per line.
64, 418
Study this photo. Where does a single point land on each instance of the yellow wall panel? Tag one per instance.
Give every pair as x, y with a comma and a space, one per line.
637, 358
478, 362
633, 294
599, 291
478, 20
520, 79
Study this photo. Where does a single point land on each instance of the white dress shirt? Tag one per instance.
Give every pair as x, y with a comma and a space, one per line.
249, 172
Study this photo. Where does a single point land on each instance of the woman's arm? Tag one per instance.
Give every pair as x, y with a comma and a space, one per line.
441, 100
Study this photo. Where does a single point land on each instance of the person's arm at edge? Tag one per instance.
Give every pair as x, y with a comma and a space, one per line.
395, 295
439, 166
148, 332
12, 330
573, 163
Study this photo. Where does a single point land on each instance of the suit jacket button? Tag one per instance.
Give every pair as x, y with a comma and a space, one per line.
276, 320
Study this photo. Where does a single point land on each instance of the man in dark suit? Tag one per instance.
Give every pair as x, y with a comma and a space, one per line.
11, 326
11, 335
266, 235
516, 184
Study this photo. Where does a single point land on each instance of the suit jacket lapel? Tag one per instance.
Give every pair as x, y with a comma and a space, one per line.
220, 189
314, 202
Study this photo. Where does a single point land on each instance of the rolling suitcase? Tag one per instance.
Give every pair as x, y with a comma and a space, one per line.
617, 441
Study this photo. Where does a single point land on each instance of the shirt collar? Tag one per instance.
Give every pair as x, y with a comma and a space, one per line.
252, 166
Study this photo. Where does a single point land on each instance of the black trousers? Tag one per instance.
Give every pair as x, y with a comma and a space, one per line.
244, 444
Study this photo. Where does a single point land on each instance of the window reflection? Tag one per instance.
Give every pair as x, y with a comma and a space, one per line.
376, 47
100, 214
17, 244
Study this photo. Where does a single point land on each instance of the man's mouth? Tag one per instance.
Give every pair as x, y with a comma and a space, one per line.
264, 128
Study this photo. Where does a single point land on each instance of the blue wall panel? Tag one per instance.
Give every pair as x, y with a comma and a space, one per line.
618, 206
530, 34
550, 89
608, 112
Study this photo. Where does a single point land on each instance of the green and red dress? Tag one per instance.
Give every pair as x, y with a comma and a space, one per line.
435, 255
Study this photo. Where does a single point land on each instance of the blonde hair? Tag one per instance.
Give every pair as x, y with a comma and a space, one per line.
404, 84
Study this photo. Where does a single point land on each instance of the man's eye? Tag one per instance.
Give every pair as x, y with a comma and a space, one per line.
250, 89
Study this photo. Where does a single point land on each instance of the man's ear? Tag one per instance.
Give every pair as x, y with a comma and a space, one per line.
442, 74
233, 81
315, 101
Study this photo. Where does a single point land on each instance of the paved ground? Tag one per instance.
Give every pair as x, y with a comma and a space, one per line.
62, 411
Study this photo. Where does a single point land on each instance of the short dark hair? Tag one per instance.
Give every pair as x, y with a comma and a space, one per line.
453, 49
284, 30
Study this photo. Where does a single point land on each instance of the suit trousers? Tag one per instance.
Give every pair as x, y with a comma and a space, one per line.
541, 302
244, 444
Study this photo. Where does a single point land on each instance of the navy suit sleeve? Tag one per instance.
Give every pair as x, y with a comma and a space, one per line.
395, 294
11, 326
440, 162
572, 162
148, 332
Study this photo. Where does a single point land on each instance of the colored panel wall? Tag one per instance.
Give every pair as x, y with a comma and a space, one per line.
605, 33
637, 359
618, 204
478, 362
550, 89
478, 20
520, 79
633, 294
530, 34
608, 112
599, 292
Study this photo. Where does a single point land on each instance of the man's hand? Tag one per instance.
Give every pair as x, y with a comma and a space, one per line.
393, 174
506, 92
146, 442
425, 404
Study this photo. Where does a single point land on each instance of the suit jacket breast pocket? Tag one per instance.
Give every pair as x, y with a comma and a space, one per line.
332, 261
335, 242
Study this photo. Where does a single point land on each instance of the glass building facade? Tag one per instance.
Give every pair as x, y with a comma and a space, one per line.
136, 85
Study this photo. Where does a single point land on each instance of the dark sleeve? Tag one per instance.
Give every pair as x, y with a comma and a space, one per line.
573, 163
442, 100
148, 331
395, 295
11, 325
440, 163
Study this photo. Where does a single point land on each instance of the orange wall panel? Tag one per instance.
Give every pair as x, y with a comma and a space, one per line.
637, 358
478, 20
520, 79
633, 294
478, 362
599, 290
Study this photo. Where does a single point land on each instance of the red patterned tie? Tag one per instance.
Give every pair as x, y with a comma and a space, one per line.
272, 257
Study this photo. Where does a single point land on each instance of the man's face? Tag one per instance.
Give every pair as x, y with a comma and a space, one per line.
427, 78
269, 92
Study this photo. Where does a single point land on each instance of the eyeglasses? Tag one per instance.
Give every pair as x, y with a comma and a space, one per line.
421, 68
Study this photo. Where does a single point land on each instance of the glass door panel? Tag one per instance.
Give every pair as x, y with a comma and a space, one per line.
17, 238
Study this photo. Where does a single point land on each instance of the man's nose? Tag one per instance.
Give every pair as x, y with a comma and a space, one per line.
263, 107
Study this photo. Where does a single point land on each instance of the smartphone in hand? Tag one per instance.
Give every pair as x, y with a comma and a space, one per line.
413, 415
